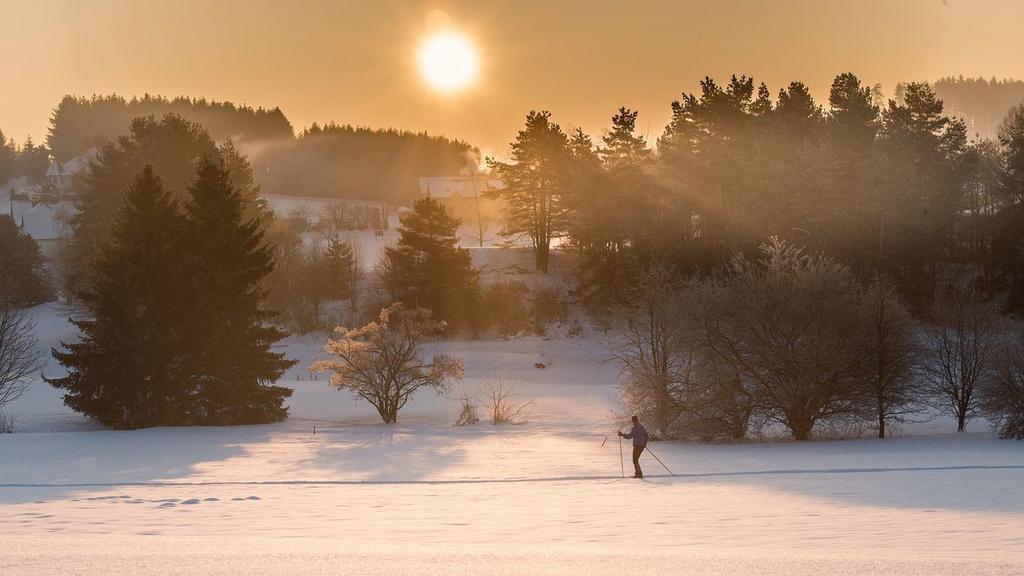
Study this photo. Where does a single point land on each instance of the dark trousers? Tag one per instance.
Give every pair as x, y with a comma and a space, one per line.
637, 472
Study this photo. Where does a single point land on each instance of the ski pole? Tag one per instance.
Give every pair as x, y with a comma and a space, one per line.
660, 462
622, 465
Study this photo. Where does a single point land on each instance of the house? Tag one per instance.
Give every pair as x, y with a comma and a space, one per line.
60, 175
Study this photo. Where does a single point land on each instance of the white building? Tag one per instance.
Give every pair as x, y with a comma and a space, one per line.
60, 175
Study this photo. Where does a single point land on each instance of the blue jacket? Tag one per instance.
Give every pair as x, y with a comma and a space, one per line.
638, 434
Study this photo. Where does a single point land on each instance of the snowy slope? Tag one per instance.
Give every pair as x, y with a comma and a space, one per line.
422, 497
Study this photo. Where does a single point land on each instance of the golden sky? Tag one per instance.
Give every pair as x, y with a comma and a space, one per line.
355, 62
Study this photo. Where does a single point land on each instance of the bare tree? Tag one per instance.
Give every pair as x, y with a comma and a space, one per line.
19, 357
380, 362
961, 345
788, 325
892, 354
652, 354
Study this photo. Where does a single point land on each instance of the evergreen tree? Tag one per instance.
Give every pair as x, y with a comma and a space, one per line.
32, 161
126, 369
621, 144
853, 112
341, 266
229, 358
24, 280
427, 269
535, 185
1011, 138
8, 153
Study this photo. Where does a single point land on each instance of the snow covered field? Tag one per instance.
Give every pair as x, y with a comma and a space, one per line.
423, 497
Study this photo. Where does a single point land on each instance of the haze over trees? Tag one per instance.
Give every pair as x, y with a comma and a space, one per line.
329, 160
80, 123
982, 102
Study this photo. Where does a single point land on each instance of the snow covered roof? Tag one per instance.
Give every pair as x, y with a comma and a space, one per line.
40, 221
69, 168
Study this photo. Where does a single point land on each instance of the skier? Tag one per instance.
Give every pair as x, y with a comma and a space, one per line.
639, 436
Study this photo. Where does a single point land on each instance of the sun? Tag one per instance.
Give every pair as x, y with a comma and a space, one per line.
448, 62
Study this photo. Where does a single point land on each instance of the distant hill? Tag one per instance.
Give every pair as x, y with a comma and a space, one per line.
79, 123
336, 161
329, 161
982, 103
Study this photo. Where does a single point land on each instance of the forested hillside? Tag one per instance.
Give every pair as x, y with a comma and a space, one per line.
339, 161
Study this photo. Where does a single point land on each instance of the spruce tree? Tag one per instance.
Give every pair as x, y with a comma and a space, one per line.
230, 360
24, 280
427, 269
7, 157
125, 370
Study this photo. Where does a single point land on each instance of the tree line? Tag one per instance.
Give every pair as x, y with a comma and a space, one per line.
28, 160
79, 123
894, 188
329, 160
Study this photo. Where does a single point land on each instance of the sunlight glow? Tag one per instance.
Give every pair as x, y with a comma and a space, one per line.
448, 62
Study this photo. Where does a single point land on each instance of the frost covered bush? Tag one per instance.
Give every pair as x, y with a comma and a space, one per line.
381, 362
1002, 398
652, 351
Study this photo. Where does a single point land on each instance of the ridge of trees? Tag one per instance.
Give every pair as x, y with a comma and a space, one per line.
80, 123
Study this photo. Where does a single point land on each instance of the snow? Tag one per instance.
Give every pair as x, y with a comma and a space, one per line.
424, 497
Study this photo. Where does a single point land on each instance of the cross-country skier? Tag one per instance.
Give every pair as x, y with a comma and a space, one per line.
639, 436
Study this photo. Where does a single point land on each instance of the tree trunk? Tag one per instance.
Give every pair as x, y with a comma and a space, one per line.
543, 251
881, 418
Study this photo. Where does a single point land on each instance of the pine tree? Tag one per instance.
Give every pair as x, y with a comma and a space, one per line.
536, 185
341, 266
32, 161
24, 280
7, 156
427, 269
125, 370
621, 144
229, 354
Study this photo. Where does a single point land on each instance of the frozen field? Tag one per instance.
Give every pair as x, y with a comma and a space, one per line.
423, 497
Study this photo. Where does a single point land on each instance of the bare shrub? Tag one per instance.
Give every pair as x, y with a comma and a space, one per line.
961, 345
547, 306
19, 357
503, 406
504, 306
892, 354
467, 413
6, 424
653, 356
380, 362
